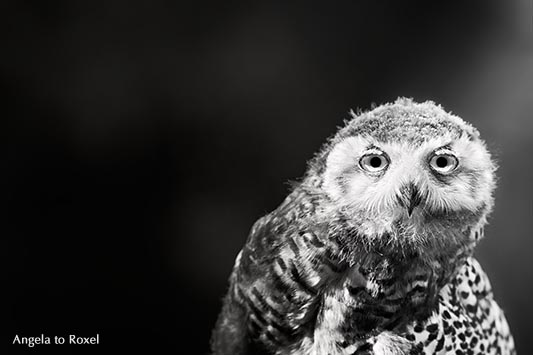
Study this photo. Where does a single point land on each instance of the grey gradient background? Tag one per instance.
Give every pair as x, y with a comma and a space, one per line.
145, 138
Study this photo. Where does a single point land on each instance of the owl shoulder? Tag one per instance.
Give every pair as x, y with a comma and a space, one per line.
271, 232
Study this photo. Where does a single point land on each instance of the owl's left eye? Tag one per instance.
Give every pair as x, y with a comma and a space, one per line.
374, 162
443, 163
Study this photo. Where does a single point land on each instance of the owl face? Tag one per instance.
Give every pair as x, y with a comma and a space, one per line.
403, 169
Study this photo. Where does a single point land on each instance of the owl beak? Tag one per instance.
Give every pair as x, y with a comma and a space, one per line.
414, 199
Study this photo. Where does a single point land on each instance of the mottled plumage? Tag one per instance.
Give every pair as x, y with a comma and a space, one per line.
371, 253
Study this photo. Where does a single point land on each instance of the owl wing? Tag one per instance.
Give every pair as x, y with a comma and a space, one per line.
276, 279
468, 317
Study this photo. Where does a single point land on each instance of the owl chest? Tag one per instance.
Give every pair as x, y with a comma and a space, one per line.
313, 300
352, 309
364, 303
330, 310
357, 309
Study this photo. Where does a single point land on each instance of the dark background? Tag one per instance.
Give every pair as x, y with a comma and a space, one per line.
145, 138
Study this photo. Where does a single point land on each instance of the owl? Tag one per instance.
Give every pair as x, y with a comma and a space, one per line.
372, 251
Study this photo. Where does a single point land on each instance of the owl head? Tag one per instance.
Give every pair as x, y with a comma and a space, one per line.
408, 174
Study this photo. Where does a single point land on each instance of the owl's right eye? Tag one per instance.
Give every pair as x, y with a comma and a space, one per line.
374, 162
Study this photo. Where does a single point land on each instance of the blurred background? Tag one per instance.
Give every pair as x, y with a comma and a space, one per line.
145, 138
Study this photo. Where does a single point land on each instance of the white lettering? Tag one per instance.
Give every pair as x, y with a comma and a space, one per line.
73, 339
31, 341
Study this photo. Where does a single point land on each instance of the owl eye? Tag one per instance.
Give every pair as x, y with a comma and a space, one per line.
374, 162
443, 163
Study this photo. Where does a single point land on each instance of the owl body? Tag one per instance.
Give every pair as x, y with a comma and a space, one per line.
371, 253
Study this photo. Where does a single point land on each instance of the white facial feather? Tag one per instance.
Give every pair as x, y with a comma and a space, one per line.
375, 197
